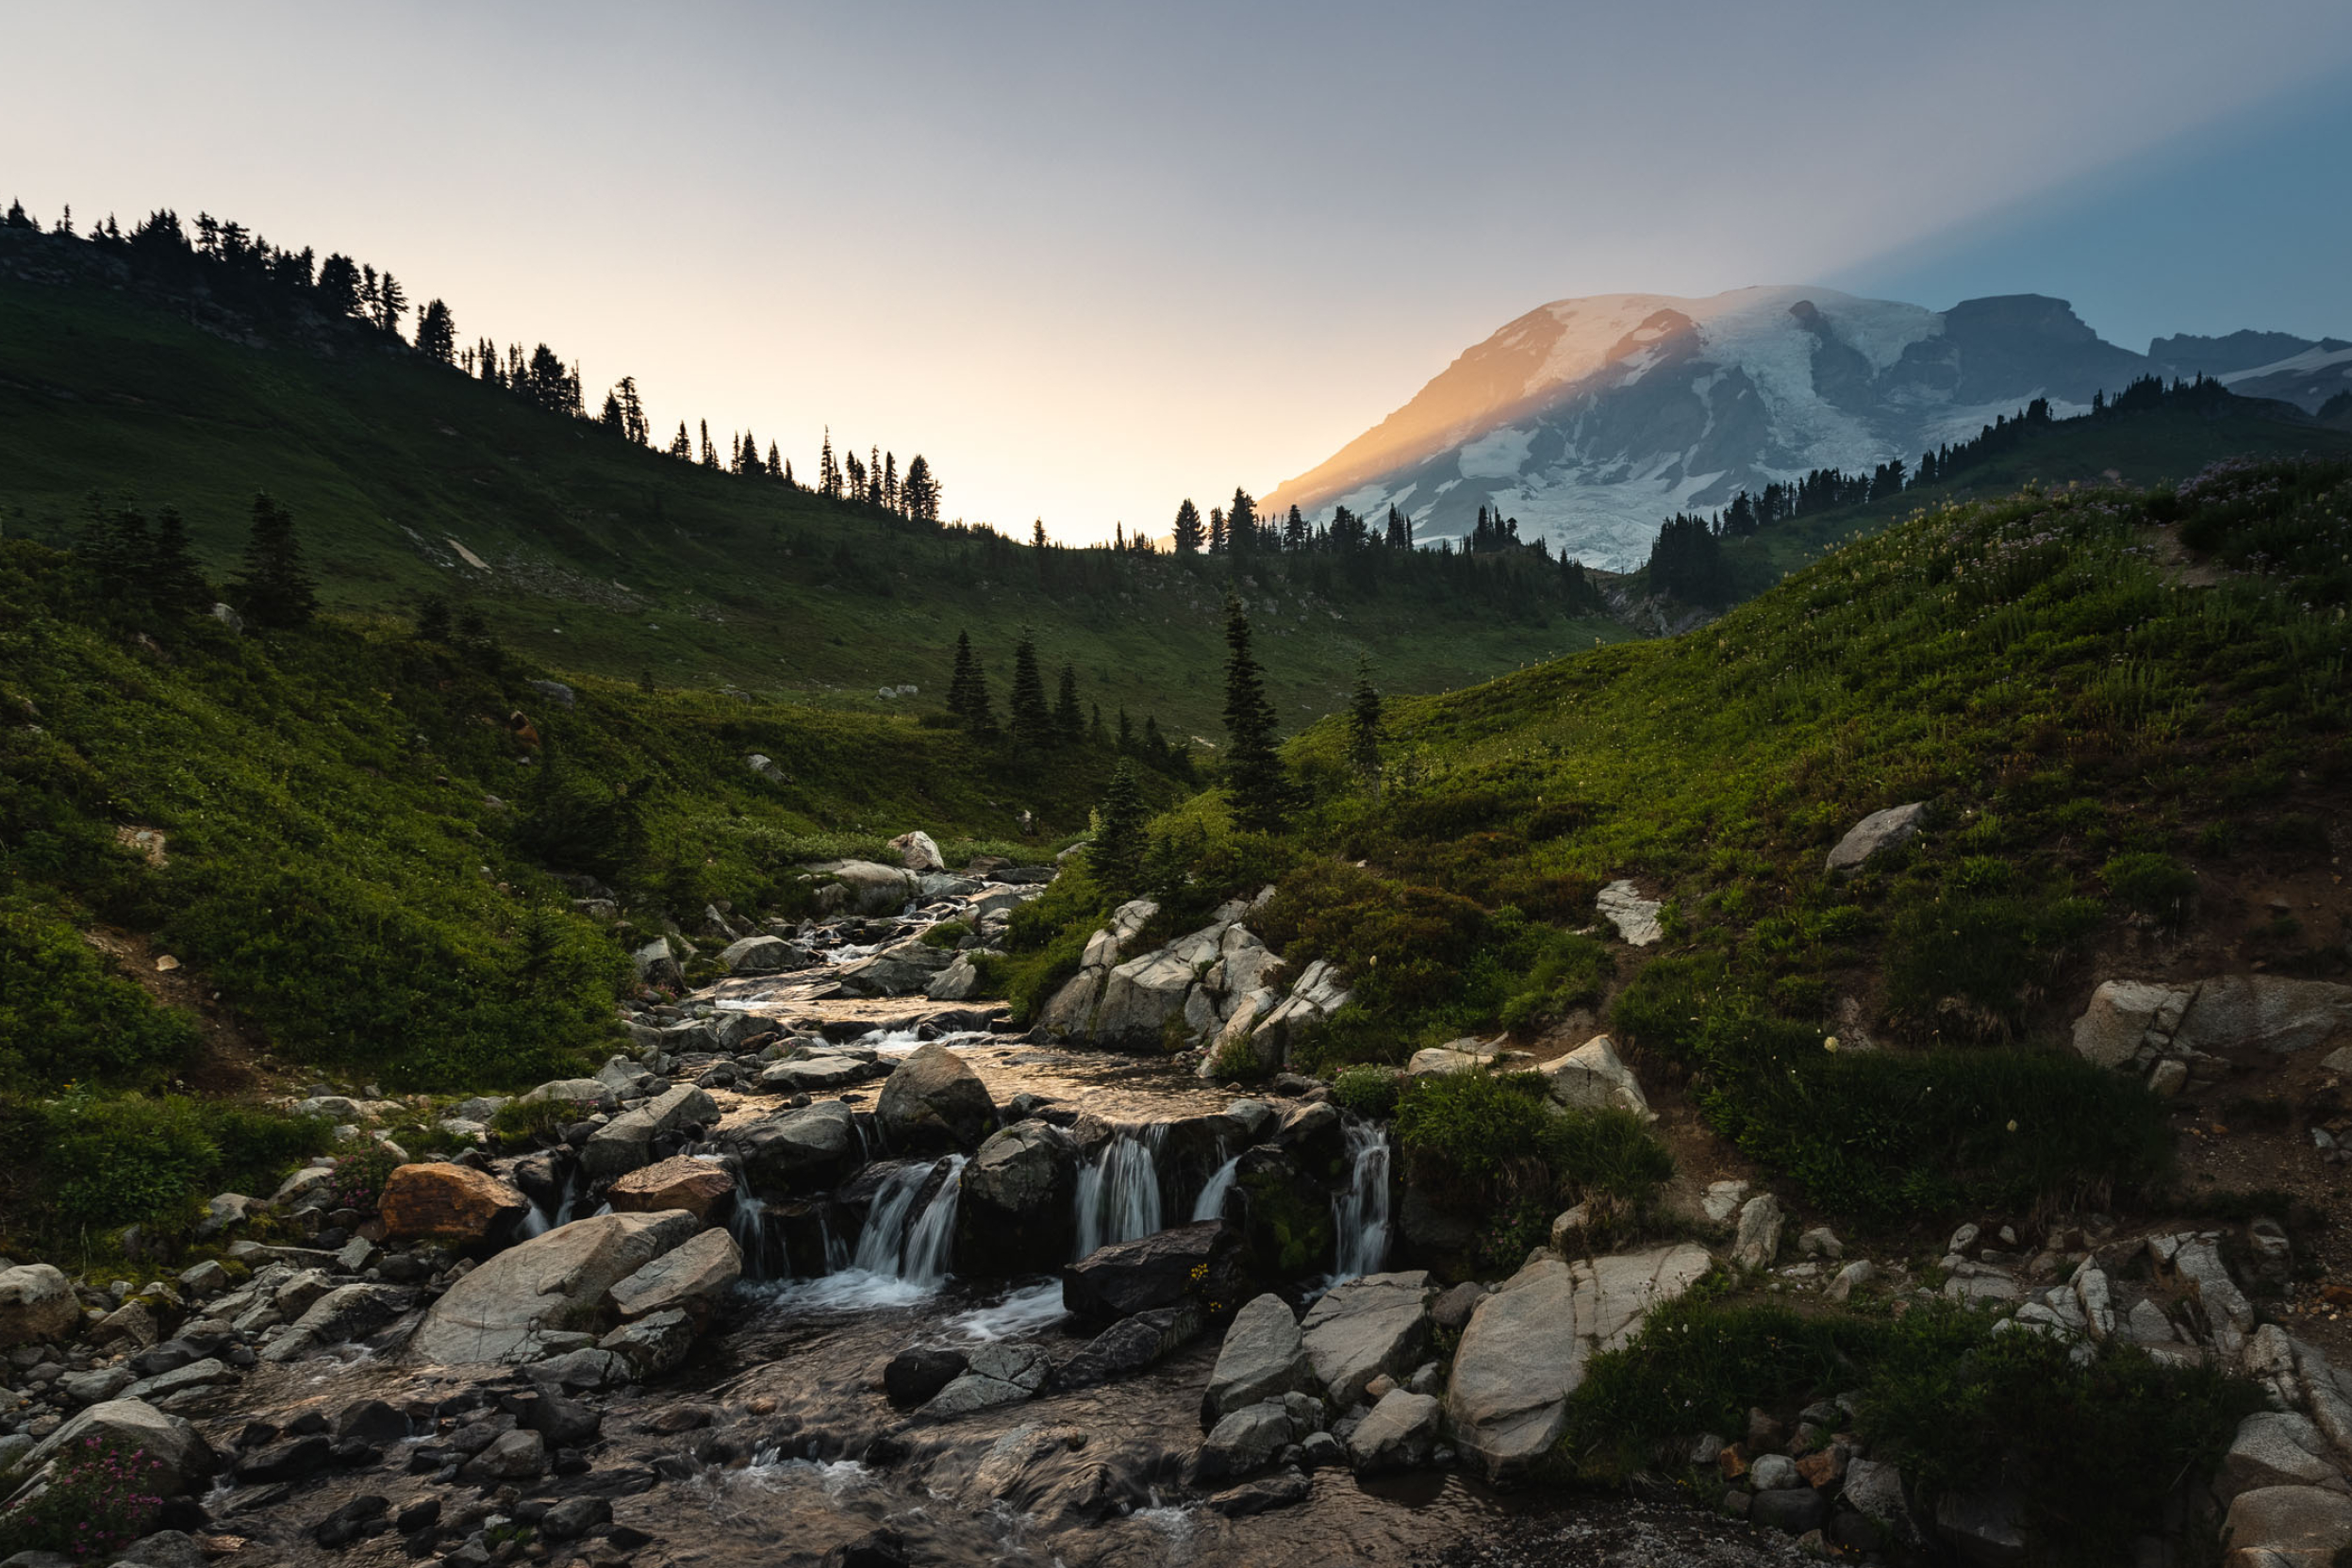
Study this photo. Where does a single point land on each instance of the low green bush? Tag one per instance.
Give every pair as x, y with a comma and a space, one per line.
946, 935
2153, 884
65, 1018
520, 1121
134, 1159
1492, 1145
1368, 1090
1983, 949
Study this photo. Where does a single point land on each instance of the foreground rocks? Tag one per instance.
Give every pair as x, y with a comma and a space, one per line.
510, 1309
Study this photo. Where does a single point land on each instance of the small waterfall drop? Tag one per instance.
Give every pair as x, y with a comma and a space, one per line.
878, 1244
1119, 1192
536, 1223
1212, 1201
931, 1241
1360, 1214
763, 1254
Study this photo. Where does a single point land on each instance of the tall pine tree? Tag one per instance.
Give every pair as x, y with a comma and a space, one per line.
273, 589
1033, 721
1363, 723
1190, 534
967, 689
175, 583
1116, 857
1069, 720
1254, 781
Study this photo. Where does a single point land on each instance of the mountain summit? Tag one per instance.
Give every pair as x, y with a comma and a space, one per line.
1590, 419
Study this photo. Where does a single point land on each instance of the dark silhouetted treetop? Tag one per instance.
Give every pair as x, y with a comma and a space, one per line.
1069, 720
1189, 535
1033, 721
1255, 780
1116, 857
273, 589
437, 333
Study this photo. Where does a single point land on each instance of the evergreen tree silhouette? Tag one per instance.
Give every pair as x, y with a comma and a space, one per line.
775, 464
1188, 535
1069, 720
1116, 857
920, 490
433, 618
1217, 543
967, 687
1364, 722
682, 445
1033, 721
174, 583
1241, 525
1253, 772
115, 546
273, 588
437, 333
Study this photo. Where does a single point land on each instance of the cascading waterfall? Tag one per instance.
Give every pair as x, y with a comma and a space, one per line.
878, 1244
1211, 1204
764, 1255
1360, 1214
931, 1241
1119, 1192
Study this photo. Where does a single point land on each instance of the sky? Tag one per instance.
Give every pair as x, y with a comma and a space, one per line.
1092, 258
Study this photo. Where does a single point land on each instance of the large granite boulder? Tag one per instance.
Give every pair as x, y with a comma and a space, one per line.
1198, 1264
1014, 1215
874, 889
796, 1151
1262, 1358
1399, 1434
554, 1283
2287, 1527
919, 852
1140, 997
689, 1278
681, 1182
1366, 1327
934, 1103
2276, 1449
624, 1143
37, 1302
186, 1459
817, 1072
449, 1202
764, 955
1880, 830
1594, 1077
902, 970
1528, 1345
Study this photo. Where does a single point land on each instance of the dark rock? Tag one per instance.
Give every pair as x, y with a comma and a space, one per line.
569, 1461
418, 1515
168, 1357
1284, 1491
351, 1453
1452, 1309
255, 1433
1793, 1508
362, 1516
289, 1461
576, 1517
1195, 1264
565, 1423
881, 1549
628, 1538
914, 1376
311, 1424
1131, 1346
372, 1421
1014, 1213
1285, 1216
935, 1103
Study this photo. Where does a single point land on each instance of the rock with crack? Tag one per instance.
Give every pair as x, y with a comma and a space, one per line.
1248, 1439
1131, 1346
681, 1182
1365, 1329
795, 1152
690, 1278
1321, 991
626, 1143
184, 1460
2276, 1449
995, 1374
449, 1202
1594, 1077
1636, 918
935, 1103
957, 982
902, 970
506, 1310
2287, 1527
1529, 1343
1399, 1434
1263, 1357
872, 890
1013, 1213
919, 854
765, 955
1198, 1263
1758, 1241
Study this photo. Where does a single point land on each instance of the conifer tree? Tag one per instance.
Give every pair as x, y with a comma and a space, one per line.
1241, 523
1069, 720
273, 589
1188, 532
775, 464
1033, 721
710, 453
1095, 731
174, 583
115, 544
433, 618
682, 444
1216, 531
437, 333
919, 490
1126, 734
1116, 857
1253, 772
968, 689
1363, 723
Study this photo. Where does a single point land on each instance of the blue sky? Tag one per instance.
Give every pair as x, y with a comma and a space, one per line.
1090, 258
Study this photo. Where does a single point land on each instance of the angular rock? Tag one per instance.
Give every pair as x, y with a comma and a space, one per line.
37, 1302
681, 1182
1622, 905
1131, 1346
997, 1374
689, 1278
1850, 1279
1399, 1434
1874, 1489
958, 982
902, 970
1528, 1345
1594, 1077
2276, 1449
2274, 1012
1262, 1358
796, 1151
2302, 1527
1320, 992
1072, 1010
1245, 1441
874, 889
655, 964
505, 1309
817, 1072
1795, 1510
344, 1314
1014, 1213
188, 1461
449, 1202
914, 1376
764, 955
1366, 1327
918, 852
2125, 1014
1880, 830
1197, 1263
648, 1347
1140, 997
624, 1143
1759, 1239
934, 1103
517, 1456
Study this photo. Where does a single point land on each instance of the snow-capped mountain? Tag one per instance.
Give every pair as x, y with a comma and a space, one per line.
1590, 419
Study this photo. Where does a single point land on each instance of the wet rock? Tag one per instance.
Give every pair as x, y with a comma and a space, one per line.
764, 955
1986, 1528
914, 1376
649, 1346
874, 889
1245, 1441
1262, 1496
1015, 1214
1880, 830
515, 1455
1528, 1345
817, 1072
679, 1181
1131, 1346
905, 968
1759, 1239
879, 1549
1263, 1356
796, 1151
626, 1143
1197, 1263
504, 1309
1399, 1434
1594, 1077
186, 1459
576, 1517
997, 1374
289, 1461
363, 1516
958, 982
343, 1314
586, 1369
37, 1302
1365, 1327
690, 1278
372, 1421
934, 1103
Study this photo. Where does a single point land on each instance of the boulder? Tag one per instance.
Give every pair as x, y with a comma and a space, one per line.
958, 982
1622, 905
624, 1143
1365, 1329
764, 955
914, 1376
1131, 1346
817, 1072
1262, 1358
934, 1103
1529, 1343
344, 1314
1880, 830
688, 1279
902, 970
1140, 997
2273, 1012
1320, 992
655, 964
1071, 1010
994, 1374
1247, 1439
506, 1308
186, 1458
1758, 1241
586, 1094
1399, 1434
681, 1182
1014, 1213
2125, 1014
1592, 1078
37, 1302
2302, 1527
2276, 1449
517, 1456
648, 1347
1874, 1489
918, 852
1431, 1061
796, 1151
874, 889
1197, 1263
449, 1202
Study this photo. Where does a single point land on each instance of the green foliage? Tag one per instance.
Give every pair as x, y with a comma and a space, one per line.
102, 1495
359, 1177
146, 1160
1368, 1091
1985, 951
2152, 884
520, 1121
1116, 855
1255, 780
65, 1018
1485, 1141
947, 935
1462, 1133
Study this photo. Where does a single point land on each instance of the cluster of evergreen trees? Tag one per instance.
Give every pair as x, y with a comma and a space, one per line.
136, 570
1036, 727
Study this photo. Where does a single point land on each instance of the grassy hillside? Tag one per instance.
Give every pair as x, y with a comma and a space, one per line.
599, 557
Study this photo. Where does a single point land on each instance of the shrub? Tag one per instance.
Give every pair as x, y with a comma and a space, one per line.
102, 1495
359, 1177
947, 933
65, 1018
520, 1121
1985, 950
1368, 1091
133, 1160
1462, 1133
1476, 1138
2152, 884
1607, 1153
